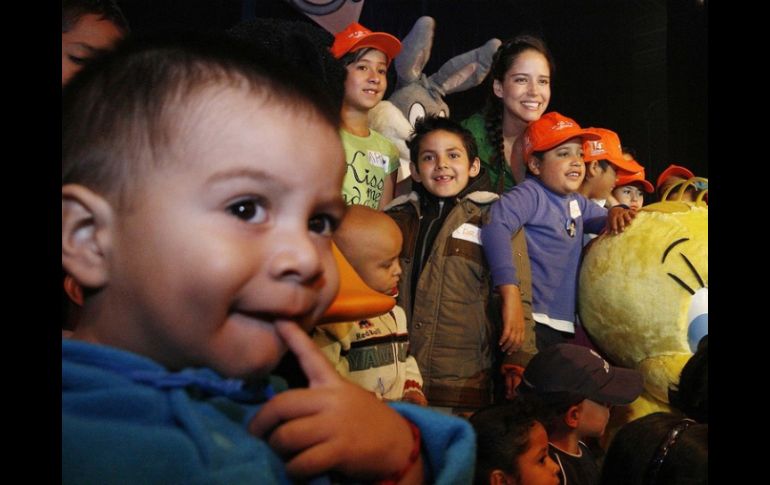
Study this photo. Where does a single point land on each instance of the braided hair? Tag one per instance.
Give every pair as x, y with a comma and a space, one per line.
503, 59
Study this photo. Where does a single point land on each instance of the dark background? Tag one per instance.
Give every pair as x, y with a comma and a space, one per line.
637, 67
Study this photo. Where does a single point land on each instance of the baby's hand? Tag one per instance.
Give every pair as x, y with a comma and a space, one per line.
333, 424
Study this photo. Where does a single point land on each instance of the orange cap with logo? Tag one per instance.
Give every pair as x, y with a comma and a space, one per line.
627, 178
356, 36
608, 148
551, 130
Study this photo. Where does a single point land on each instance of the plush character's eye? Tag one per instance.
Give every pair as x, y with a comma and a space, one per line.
416, 111
698, 318
442, 114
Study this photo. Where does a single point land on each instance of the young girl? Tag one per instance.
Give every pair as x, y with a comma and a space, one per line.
521, 89
630, 188
512, 446
372, 159
547, 204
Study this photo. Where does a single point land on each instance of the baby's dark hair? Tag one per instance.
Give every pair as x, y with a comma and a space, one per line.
430, 123
658, 449
122, 114
502, 435
73, 10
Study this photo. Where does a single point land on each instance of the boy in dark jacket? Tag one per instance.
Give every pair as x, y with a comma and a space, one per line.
454, 322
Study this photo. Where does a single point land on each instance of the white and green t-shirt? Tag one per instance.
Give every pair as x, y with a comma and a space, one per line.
369, 159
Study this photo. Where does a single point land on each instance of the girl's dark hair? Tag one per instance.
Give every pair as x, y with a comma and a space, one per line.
355, 56
503, 59
73, 10
431, 123
122, 114
502, 435
658, 449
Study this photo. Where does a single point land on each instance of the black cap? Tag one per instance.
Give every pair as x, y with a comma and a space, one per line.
568, 368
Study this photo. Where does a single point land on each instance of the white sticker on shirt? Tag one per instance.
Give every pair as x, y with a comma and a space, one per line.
378, 160
574, 209
468, 232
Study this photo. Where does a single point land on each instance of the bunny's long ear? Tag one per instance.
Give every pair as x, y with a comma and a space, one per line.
415, 50
466, 70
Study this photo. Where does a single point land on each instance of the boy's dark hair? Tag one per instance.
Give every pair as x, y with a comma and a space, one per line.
121, 114
430, 123
658, 449
691, 395
553, 406
502, 435
73, 10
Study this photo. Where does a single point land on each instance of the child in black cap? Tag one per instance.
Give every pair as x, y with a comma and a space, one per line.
577, 387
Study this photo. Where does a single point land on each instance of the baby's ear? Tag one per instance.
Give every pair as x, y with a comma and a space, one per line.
86, 221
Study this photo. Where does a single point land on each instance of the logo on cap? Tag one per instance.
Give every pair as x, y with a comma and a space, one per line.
605, 364
561, 124
597, 147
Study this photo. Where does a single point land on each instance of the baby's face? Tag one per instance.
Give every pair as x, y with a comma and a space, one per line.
231, 237
378, 262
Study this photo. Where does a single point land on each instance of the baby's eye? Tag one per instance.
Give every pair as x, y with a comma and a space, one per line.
323, 224
251, 210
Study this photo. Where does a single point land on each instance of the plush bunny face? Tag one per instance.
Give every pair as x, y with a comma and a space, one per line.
418, 94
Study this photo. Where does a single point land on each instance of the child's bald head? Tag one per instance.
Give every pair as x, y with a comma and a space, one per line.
371, 241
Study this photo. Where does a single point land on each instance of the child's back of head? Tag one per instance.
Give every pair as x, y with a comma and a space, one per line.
371, 241
658, 449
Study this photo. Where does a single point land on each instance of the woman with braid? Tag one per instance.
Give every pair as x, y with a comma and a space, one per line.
521, 89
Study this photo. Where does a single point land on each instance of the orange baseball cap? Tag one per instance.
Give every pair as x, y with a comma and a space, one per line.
608, 148
626, 178
356, 36
673, 171
551, 130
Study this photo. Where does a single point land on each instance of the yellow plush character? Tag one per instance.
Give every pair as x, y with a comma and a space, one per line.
643, 295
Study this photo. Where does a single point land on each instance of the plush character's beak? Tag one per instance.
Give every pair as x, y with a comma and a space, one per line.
355, 300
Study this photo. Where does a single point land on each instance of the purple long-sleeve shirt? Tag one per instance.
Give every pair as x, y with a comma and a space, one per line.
554, 226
